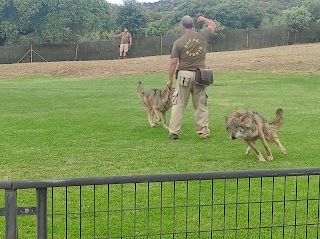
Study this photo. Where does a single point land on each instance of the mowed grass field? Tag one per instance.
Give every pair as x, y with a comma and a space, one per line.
54, 127
62, 127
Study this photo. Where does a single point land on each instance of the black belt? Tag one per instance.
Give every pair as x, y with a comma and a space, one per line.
177, 71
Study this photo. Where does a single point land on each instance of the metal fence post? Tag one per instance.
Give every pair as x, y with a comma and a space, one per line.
11, 214
161, 45
42, 220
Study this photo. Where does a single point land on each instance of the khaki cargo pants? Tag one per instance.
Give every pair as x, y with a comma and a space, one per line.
184, 86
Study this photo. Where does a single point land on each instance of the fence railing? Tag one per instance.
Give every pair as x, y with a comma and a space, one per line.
240, 204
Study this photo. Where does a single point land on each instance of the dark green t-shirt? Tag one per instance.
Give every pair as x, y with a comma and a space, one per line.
191, 49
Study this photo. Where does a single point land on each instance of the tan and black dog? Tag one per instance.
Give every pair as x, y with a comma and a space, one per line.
250, 126
156, 103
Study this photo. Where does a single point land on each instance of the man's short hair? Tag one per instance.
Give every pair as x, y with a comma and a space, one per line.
187, 22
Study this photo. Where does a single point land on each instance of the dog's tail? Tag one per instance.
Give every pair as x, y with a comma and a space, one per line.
277, 122
140, 90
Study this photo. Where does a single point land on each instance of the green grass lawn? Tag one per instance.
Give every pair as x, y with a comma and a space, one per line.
55, 127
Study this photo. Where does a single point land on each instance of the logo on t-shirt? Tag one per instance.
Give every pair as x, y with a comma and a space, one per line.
193, 43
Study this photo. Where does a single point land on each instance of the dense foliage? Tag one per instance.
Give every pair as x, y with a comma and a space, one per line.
40, 21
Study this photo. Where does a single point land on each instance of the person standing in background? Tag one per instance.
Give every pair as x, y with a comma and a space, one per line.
125, 42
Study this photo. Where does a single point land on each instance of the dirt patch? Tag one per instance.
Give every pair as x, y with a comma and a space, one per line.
283, 59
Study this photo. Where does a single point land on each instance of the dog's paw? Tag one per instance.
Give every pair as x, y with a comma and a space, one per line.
261, 158
270, 157
248, 151
283, 150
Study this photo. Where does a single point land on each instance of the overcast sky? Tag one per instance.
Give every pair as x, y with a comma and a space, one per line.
121, 2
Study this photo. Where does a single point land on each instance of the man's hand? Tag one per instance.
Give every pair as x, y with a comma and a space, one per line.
207, 21
200, 19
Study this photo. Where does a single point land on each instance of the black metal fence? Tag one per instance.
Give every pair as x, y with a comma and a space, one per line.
241, 204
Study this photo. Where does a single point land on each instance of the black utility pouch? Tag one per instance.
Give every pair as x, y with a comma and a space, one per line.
204, 77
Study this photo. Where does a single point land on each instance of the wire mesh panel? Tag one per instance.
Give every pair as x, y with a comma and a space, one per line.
231, 40
263, 207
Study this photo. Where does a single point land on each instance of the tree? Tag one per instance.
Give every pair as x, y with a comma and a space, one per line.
160, 6
15, 17
296, 19
155, 28
26, 21
286, 4
50, 20
313, 6
192, 8
270, 13
238, 14
169, 23
68, 20
132, 15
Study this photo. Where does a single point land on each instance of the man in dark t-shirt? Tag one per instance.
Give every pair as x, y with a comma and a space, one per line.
188, 53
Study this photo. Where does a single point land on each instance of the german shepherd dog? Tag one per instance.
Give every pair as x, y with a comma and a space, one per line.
251, 126
156, 103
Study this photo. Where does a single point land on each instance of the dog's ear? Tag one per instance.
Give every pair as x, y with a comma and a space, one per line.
226, 118
164, 92
171, 91
165, 95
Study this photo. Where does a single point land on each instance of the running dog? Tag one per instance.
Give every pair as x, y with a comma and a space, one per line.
156, 103
251, 126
